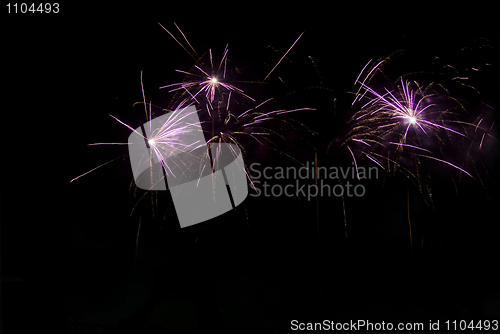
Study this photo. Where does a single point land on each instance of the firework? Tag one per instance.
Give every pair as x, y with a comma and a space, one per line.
400, 125
225, 116
228, 116
207, 79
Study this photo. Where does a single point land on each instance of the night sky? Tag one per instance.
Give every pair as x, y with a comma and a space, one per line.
68, 250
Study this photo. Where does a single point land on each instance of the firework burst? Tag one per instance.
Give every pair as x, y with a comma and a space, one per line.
205, 77
402, 126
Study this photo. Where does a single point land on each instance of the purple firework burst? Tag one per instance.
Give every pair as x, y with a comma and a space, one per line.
405, 125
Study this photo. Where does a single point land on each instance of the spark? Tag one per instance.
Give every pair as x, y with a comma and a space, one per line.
283, 56
175, 39
448, 163
94, 144
355, 163
93, 169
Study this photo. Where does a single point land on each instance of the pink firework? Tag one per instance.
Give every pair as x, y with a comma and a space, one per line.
205, 79
400, 125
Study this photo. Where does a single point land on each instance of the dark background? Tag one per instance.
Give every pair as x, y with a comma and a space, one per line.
68, 251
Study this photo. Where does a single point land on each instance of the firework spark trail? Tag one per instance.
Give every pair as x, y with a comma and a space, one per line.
358, 96
245, 112
283, 56
93, 169
144, 99
355, 163
413, 146
175, 39
94, 144
375, 161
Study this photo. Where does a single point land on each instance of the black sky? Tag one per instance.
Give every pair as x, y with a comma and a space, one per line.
63, 74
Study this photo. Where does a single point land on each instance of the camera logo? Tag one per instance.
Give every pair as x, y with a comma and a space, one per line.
205, 181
